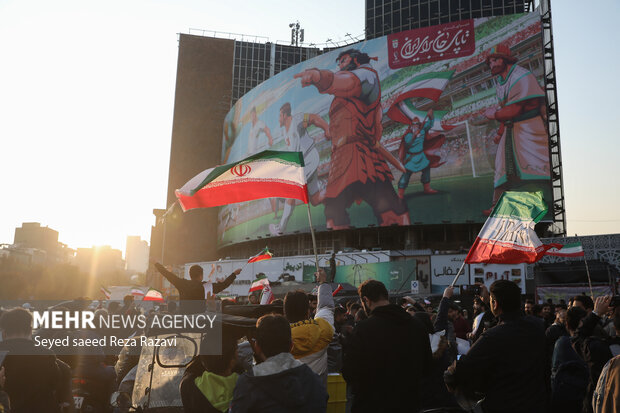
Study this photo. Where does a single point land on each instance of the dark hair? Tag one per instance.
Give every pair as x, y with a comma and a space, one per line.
16, 321
373, 290
537, 309
273, 335
507, 294
128, 299
312, 297
574, 316
296, 306
425, 319
354, 54
220, 363
529, 301
195, 271
617, 322
286, 109
585, 300
455, 307
355, 306
339, 311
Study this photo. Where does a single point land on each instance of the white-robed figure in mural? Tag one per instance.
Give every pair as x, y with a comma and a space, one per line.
294, 133
523, 150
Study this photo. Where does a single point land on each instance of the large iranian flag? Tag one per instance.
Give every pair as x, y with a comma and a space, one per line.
508, 236
264, 175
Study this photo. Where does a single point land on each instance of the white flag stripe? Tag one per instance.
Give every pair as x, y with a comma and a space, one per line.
510, 231
260, 170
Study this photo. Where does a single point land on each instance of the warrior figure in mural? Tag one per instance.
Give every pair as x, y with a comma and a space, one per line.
416, 155
523, 151
358, 168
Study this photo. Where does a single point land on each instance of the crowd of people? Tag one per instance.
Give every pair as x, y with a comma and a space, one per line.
395, 354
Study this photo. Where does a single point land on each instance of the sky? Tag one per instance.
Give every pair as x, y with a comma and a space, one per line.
87, 96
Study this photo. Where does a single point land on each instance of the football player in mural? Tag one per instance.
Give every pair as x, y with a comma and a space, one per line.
358, 168
258, 129
294, 133
523, 151
414, 152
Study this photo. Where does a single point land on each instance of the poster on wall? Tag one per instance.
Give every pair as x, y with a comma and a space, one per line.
487, 274
443, 270
417, 127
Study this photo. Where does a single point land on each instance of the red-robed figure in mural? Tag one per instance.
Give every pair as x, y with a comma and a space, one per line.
358, 169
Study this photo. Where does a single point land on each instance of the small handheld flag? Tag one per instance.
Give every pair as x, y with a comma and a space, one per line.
107, 293
568, 250
337, 290
261, 256
153, 295
137, 292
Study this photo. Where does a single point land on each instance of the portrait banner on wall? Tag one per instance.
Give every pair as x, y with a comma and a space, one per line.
419, 127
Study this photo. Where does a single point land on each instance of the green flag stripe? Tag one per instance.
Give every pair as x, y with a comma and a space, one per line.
432, 75
295, 158
521, 205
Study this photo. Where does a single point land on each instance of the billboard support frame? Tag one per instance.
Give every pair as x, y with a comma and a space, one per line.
557, 185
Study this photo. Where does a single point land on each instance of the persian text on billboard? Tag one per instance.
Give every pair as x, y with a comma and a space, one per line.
441, 42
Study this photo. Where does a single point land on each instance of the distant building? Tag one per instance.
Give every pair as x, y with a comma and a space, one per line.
136, 254
34, 244
99, 261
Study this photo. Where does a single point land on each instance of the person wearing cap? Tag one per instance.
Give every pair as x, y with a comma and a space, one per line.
411, 153
522, 138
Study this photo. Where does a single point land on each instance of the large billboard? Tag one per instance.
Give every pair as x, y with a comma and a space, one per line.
426, 126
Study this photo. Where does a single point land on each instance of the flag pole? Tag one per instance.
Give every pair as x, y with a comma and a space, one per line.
316, 256
457, 274
589, 279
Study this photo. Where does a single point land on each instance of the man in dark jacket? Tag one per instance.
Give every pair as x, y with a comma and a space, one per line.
193, 292
279, 383
506, 365
31, 372
386, 356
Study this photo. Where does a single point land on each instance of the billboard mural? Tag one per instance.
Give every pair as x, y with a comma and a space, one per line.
420, 127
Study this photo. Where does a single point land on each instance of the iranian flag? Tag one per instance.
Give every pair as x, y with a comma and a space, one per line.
137, 291
568, 250
508, 236
107, 293
259, 283
264, 175
266, 295
153, 295
261, 256
428, 85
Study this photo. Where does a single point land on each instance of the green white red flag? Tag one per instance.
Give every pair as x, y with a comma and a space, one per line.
258, 283
266, 295
137, 292
153, 295
264, 175
107, 293
508, 236
261, 256
568, 250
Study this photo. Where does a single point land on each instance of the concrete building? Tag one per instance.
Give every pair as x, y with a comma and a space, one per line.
136, 254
